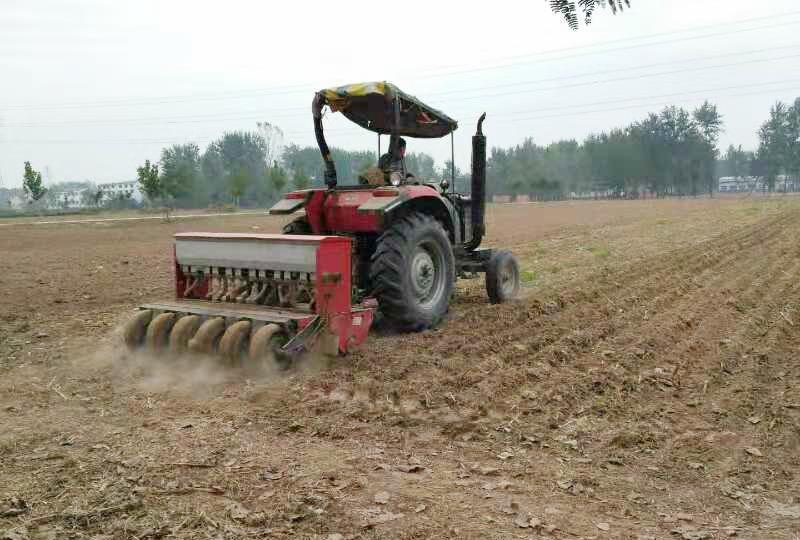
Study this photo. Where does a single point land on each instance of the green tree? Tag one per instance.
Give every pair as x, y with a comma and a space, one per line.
307, 160
793, 150
32, 184
304, 160
572, 11
673, 151
212, 178
301, 180
278, 179
236, 165
737, 161
238, 184
149, 181
349, 164
421, 165
180, 172
273, 140
774, 144
709, 125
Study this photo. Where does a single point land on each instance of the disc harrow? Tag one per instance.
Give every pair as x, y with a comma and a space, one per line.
255, 299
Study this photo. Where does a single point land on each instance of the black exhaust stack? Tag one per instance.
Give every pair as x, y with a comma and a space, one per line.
330, 167
478, 194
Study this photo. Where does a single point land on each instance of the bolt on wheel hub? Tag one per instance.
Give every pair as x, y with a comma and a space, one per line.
423, 274
508, 278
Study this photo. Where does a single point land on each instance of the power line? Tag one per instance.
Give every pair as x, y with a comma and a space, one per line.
161, 100
516, 118
261, 114
660, 96
631, 78
284, 114
795, 87
617, 70
293, 89
176, 140
604, 51
659, 34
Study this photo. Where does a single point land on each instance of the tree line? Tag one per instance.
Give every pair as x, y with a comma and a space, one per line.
251, 168
778, 151
670, 152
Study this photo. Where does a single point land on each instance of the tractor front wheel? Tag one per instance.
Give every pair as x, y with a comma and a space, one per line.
412, 272
502, 277
297, 226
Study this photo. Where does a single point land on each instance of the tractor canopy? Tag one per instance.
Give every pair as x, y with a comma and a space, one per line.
385, 109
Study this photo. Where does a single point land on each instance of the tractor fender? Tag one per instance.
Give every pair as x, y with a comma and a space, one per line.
291, 203
432, 205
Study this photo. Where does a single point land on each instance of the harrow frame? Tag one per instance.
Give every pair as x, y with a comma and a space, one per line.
253, 262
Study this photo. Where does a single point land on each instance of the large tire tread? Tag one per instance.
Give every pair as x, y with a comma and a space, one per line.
388, 266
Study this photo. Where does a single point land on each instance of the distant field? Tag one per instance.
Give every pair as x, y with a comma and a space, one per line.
647, 382
126, 215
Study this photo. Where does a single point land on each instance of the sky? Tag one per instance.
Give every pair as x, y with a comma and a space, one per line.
90, 89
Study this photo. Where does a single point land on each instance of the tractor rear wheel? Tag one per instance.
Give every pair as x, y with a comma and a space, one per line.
412, 272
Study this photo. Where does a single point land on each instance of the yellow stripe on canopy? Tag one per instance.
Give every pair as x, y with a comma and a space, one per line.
359, 104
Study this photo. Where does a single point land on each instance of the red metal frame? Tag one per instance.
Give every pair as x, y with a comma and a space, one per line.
333, 293
337, 211
181, 279
350, 324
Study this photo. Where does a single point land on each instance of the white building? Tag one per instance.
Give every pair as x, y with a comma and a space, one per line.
113, 190
732, 184
18, 202
786, 183
11, 199
70, 198
735, 184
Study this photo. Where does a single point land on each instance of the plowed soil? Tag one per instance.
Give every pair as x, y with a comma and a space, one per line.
647, 385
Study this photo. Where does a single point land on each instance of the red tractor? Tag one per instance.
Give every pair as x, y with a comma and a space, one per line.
388, 242
412, 238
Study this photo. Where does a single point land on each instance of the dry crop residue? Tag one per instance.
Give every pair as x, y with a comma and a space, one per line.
649, 389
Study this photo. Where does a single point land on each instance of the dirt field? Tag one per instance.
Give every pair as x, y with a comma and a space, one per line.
646, 386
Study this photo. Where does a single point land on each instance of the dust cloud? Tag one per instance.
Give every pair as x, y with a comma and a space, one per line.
191, 375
